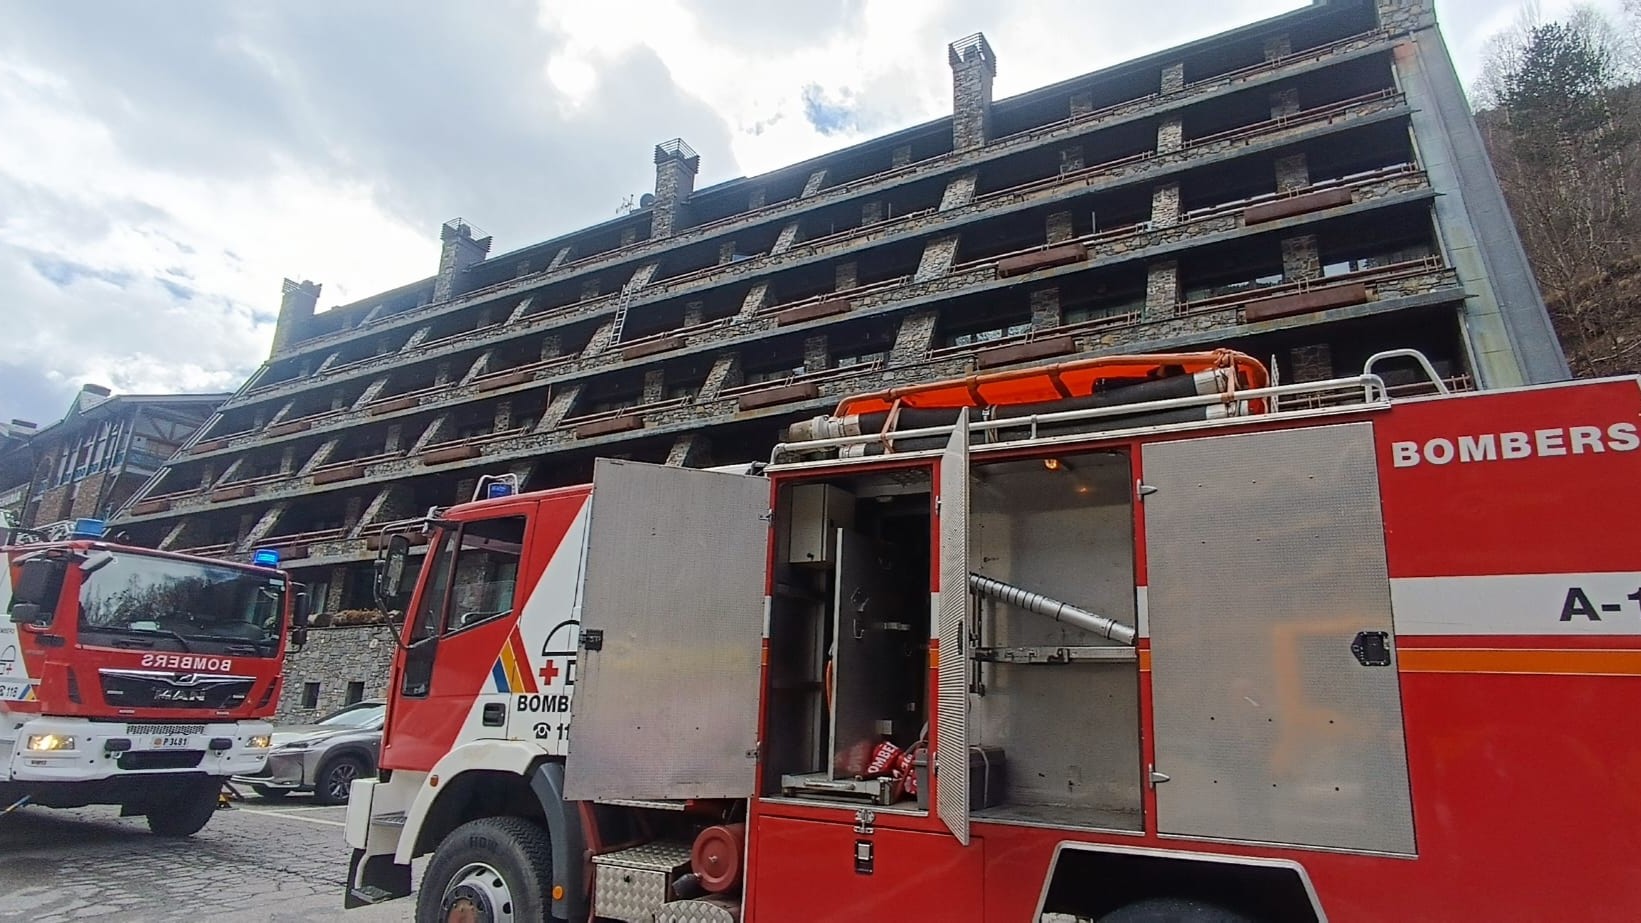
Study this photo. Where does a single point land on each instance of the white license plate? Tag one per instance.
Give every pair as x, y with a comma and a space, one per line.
171, 743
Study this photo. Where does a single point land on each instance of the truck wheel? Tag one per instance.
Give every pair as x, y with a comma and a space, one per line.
270, 794
185, 815
496, 869
335, 779
1173, 910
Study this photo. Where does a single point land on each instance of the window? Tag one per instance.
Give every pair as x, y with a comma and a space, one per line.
776, 374
310, 695
426, 622
355, 694
486, 572
976, 337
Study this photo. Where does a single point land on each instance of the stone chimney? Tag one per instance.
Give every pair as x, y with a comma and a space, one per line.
676, 164
973, 68
461, 247
296, 303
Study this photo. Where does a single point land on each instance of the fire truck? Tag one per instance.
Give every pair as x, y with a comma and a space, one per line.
1139, 638
136, 677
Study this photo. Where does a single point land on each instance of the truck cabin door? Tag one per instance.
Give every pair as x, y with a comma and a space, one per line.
459, 619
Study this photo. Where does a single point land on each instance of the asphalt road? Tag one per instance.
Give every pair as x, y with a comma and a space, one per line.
259, 861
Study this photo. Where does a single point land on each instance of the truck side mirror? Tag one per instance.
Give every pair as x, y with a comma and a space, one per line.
390, 575
299, 616
33, 597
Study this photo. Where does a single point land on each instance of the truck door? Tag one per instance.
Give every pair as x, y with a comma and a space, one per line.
1277, 712
666, 703
460, 620
952, 615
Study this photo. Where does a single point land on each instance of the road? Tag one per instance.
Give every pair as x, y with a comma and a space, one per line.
257, 862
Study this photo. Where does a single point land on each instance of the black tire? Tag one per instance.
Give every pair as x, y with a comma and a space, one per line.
270, 794
1173, 910
486, 861
335, 777
186, 814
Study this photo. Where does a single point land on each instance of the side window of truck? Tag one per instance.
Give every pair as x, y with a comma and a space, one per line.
427, 622
487, 565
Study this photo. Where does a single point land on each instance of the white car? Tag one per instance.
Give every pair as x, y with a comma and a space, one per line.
323, 758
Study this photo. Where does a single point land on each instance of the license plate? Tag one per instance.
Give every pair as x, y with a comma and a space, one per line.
170, 743
163, 730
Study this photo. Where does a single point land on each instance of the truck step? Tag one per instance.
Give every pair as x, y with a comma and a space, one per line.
370, 894
396, 819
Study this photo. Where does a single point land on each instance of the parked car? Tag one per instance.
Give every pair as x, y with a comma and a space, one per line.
323, 758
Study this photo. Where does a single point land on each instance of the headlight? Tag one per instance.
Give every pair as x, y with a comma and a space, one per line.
260, 742
50, 743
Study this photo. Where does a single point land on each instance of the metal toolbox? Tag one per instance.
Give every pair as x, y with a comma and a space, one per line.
633, 884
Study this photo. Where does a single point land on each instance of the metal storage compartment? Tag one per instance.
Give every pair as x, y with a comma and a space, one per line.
633, 884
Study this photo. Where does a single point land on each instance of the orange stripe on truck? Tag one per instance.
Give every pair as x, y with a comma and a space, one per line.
1557, 662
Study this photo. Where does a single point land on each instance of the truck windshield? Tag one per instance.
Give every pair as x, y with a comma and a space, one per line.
182, 603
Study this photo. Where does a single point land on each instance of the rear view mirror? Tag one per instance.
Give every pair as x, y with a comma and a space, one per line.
34, 597
299, 610
390, 574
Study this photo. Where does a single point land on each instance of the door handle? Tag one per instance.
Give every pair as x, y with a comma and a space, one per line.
495, 714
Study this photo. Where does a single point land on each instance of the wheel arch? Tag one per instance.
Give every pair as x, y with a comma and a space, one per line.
1092, 879
501, 779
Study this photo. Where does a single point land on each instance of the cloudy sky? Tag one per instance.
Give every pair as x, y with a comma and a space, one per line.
163, 166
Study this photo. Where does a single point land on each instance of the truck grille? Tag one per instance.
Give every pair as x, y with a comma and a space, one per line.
160, 759
160, 689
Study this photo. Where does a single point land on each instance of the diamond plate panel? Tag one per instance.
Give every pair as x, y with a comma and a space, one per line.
952, 605
633, 884
675, 582
1265, 558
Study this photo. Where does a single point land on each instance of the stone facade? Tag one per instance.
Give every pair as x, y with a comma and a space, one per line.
1300, 259
334, 659
1045, 308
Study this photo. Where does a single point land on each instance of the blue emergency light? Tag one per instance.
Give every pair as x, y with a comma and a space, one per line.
498, 489
266, 557
89, 528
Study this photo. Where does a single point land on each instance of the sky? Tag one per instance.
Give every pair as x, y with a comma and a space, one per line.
164, 166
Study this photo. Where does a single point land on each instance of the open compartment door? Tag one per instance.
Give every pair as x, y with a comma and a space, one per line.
952, 616
666, 700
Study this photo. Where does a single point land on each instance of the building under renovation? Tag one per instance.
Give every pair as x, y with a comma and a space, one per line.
1309, 189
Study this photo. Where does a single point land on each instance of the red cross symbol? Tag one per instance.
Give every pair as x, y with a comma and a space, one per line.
549, 672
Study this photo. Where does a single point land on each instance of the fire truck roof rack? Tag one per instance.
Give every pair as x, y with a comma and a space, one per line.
1215, 394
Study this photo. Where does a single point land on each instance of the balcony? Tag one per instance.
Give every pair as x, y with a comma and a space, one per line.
1144, 107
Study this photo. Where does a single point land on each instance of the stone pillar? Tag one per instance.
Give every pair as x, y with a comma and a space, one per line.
1278, 47
1292, 172
1165, 212
786, 238
558, 408
871, 212
1071, 159
900, 156
1173, 78
1082, 103
552, 346
1161, 289
1284, 102
723, 374
1170, 135
757, 198
816, 358
458, 250
264, 526
694, 313
320, 456
913, 339
1406, 15
973, 69
1059, 227
352, 510
676, 164
1300, 258
937, 258
1045, 308
726, 252
431, 433
812, 185
394, 441
845, 276
287, 458
559, 258
960, 191
655, 386
600, 339
297, 301
691, 450
756, 296
503, 418
589, 289
441, 373
1311, 363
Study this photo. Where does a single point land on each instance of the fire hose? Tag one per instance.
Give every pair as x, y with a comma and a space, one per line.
1053, 608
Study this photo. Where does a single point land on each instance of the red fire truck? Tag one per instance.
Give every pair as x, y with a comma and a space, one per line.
1146, 638
136, 677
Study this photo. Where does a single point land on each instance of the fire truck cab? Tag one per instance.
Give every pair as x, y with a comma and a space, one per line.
1138, 638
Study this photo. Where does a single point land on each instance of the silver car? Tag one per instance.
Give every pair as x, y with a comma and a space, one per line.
323, 758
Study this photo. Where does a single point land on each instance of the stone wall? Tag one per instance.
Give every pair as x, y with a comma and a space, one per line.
334, 658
